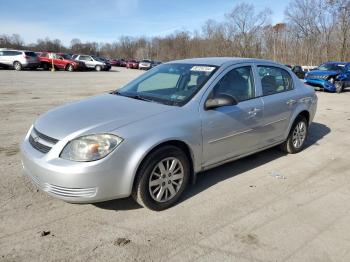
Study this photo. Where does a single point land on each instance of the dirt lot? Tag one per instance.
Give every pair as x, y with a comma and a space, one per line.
267, 207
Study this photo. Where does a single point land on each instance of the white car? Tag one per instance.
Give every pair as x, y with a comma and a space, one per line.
145, 64
93, 62
18, 59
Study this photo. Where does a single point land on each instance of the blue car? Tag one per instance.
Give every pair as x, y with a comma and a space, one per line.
331, 76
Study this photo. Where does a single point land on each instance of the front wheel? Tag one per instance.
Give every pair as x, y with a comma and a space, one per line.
17, 66
98, 68
338, 87
297, 136
70, 68
162, 178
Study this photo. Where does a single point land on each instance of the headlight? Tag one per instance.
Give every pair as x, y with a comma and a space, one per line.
90, 147
331, 80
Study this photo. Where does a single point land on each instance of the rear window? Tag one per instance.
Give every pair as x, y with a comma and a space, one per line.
30, 54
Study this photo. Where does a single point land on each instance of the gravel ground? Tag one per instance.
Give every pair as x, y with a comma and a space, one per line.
266, 207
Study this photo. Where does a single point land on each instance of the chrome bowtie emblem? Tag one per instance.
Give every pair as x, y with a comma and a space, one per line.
36, 139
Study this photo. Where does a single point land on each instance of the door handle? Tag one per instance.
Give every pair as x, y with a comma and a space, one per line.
254, 111
291, 102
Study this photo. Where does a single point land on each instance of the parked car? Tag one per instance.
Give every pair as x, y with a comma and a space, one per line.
18, 59
60, 61
331, 76
308, 68
145, 64
298, 70
114, 62
93, 62
156, 63
122, 63
152, 136
132, 64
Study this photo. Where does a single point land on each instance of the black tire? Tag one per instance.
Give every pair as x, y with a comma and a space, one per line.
98, 68
141, 192
70, 68
288, 146
45, 66
339, 86
17, 66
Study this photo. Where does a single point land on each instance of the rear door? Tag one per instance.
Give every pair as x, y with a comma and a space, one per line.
231, 131
279, 98
89, 62
59, 61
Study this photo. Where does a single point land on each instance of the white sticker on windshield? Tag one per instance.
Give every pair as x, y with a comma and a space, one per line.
203, 68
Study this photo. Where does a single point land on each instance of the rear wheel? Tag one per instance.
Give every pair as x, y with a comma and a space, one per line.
338, 86
162, 178
45, 66
297, 136
17, 66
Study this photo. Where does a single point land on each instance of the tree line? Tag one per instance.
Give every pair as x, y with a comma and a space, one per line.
314, 31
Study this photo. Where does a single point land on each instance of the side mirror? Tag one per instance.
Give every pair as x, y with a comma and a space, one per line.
219, 101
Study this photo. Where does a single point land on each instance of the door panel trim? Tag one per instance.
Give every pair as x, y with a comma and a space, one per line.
276, 121
229, 136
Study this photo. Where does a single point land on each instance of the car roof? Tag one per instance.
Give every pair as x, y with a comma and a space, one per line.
219, 61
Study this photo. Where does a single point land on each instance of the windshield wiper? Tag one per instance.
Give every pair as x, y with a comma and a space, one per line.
142, 98
138, 97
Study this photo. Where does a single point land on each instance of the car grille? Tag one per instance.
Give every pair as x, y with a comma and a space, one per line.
41, 142
317, 77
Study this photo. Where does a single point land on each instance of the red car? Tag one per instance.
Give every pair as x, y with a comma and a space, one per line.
133, 64
60, 61
114, 62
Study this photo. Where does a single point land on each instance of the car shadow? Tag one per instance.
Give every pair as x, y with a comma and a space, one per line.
216, 175
118, 204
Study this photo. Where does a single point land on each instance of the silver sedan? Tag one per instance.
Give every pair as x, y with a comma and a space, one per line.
151, 137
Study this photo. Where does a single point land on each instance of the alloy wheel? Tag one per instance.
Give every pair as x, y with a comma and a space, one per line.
166, 179
17, 66
299, 134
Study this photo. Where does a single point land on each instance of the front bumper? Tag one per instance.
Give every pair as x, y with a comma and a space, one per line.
75, 182
320, 83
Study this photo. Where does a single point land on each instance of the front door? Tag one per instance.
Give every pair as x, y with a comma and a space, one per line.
231, 131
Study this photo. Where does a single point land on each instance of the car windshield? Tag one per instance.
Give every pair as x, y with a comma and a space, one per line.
172, 84
331, 67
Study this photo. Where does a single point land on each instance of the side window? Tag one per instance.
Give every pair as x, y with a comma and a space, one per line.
14, 53
274, 80
239, 83
84, 57
1, 53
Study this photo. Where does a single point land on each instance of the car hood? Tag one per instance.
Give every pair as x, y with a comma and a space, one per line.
322, 73
98, 114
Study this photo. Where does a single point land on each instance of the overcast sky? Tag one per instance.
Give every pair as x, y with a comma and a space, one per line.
107, 20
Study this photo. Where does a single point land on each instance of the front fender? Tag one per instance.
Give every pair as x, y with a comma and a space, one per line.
141, 146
